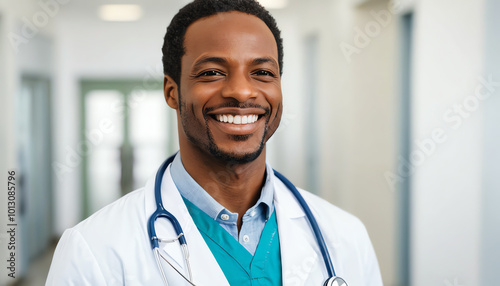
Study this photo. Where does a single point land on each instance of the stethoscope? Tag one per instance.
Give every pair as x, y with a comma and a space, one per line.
161, 212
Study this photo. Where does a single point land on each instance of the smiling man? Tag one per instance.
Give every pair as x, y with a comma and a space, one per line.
223, 61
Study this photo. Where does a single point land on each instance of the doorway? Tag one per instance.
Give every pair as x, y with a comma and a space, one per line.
129, 130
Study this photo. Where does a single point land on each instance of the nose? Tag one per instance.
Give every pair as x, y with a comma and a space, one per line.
239, 86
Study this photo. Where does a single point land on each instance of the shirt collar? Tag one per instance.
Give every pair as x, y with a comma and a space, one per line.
194, 193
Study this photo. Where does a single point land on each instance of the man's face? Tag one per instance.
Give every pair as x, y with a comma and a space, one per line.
230, 92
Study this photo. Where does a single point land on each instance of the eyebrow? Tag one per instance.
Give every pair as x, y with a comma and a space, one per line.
202, 61
264, 60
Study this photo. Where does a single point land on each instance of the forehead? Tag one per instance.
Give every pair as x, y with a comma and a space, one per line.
230, 34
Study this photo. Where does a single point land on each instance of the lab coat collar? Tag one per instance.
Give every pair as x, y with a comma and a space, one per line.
298, 256
285, 198
291, 208
203, 264
302, 262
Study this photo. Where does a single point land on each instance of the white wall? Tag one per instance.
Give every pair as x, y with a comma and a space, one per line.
356, 109
446, 189
285, 150
370, 131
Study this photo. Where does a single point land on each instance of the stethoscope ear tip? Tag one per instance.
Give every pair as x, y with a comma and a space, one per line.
335, 281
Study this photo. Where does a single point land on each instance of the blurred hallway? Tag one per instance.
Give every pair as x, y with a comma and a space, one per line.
391, 111
37, 273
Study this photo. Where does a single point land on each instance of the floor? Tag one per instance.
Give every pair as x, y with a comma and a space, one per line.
37, 274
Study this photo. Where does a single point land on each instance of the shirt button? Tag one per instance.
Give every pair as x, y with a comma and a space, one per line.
224, 216
252, 213
246, 238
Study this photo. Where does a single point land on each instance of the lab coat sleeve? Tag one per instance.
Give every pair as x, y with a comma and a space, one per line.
74, 263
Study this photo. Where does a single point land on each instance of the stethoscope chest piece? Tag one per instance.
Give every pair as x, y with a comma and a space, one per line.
335, 281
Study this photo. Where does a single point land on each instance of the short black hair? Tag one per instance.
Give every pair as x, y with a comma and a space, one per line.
173, 45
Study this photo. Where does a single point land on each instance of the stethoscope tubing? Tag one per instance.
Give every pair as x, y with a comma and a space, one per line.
161, 212
312, 222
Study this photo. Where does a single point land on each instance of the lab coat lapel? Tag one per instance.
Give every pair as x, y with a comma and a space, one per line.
205, 268
301, 259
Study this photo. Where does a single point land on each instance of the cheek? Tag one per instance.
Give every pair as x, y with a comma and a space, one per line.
196, 97
275, 99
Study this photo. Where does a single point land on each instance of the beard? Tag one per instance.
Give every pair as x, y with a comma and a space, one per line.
208, 143
233, 157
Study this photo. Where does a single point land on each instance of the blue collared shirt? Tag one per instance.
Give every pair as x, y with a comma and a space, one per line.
254, 218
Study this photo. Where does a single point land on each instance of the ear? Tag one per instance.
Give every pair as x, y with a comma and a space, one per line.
171, 92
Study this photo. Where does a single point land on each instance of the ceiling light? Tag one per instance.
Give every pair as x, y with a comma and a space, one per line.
120, 12
274, 4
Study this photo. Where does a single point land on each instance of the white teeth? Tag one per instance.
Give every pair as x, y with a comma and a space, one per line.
237, 119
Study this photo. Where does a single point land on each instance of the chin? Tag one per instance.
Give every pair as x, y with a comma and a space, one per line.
236, 157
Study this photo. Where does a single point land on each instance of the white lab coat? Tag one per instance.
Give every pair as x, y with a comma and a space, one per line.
112, 246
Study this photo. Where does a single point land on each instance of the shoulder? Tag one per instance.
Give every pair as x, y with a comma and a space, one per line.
100, 247
337, 225
321, 208
118, 216
113, 224
336, 215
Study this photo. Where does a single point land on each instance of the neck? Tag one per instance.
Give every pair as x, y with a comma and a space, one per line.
237, 187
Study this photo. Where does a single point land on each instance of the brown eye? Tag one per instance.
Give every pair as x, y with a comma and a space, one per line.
210, 73
264, 73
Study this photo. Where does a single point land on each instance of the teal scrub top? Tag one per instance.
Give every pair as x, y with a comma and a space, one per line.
238, 265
